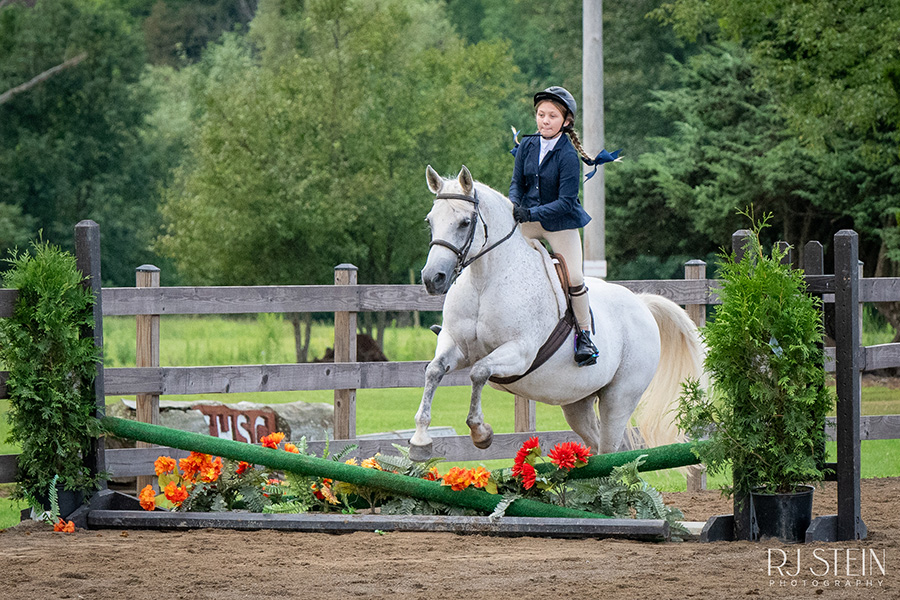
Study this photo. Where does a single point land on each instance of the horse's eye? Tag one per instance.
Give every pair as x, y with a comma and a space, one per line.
465, 223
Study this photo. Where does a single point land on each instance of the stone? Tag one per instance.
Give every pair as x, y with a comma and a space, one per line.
241, 421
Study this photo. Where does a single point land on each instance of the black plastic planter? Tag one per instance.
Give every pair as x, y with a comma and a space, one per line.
784, 516
69, 501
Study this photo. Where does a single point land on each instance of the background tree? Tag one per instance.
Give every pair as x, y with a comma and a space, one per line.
829, 66
72, 147
312, 145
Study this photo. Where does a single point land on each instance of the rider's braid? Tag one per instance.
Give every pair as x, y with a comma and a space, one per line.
568, 129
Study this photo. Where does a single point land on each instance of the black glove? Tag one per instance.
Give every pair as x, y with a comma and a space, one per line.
521, 214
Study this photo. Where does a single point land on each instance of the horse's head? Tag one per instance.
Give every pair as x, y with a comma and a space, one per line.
467, 221
453, 223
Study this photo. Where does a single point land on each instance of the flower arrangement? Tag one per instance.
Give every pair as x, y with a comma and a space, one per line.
202, 482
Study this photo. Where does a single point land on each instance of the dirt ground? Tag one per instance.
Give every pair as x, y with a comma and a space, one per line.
158, 565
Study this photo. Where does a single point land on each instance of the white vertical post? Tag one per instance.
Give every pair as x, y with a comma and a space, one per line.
593, 134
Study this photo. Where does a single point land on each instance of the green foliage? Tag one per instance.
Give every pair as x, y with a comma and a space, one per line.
314, 135
765, 360
51, 371
829, 60
71, 148
624, 494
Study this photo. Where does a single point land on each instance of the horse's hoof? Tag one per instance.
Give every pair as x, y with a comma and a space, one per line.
485, 442
421, 453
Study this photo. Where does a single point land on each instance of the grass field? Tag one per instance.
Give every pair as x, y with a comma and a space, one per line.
268, 339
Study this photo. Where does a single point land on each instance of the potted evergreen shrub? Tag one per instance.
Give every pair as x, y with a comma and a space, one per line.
51, 370
765, 413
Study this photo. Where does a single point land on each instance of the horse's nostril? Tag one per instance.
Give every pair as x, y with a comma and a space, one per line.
439, 278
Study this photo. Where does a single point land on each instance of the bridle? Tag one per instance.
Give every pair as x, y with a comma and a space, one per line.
461, 261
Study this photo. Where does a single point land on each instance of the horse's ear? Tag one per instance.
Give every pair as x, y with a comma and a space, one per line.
435, 181
466, 181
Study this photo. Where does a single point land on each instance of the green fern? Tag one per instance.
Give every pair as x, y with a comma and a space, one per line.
501, 507
349, 448
292, 507
53, 497
253, 499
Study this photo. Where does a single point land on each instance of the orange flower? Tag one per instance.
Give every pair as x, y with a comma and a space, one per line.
148, 498
243, 467
458, 479
432, 474
292, 448
64, 527
372, 463
164, 465
480, 476
176, 494
352, 461
193, 464
211, 470
272, 440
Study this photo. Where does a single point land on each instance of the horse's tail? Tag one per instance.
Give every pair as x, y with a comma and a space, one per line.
681, 356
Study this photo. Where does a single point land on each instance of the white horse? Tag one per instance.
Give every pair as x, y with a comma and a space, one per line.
502, 305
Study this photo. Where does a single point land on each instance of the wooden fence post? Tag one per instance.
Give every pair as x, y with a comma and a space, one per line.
848, 372
147, 355
87, 260
696, 269
345, 351
525, 417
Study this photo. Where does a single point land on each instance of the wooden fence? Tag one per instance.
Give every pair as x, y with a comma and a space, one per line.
147, 301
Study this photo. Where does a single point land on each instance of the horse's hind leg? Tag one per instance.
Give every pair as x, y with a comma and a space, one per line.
447, 357
582, 418
617, 404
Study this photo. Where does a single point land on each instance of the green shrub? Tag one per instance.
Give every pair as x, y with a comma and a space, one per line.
51, 371
766, 413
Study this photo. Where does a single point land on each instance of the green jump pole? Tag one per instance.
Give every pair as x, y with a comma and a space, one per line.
661, 457
311, 466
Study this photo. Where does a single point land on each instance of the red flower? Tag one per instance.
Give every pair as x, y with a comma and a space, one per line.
530, 448
528, 476
569, 455
432, 474
243, 467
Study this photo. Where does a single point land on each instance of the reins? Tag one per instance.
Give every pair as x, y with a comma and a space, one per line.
461, 261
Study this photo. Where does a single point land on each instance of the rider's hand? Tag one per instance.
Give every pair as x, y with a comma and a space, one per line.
521, 214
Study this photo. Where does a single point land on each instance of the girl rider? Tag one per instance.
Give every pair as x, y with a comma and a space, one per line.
544, 192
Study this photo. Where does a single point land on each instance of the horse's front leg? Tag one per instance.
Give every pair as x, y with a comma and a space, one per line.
507, 360
447, 357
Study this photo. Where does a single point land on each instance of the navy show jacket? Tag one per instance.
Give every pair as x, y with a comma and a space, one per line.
550, 190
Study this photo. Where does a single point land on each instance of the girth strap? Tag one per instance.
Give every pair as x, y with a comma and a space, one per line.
556, 339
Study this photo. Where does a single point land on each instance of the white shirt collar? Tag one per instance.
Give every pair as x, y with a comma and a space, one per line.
547, 146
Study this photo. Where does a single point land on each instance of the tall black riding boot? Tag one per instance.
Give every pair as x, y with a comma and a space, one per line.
586, 352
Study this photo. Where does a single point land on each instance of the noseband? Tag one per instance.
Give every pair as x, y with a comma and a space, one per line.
461, 261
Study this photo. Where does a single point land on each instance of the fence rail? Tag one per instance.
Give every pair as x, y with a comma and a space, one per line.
345, 299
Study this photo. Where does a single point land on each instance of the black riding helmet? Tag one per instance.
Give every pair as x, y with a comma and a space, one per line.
560, 95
